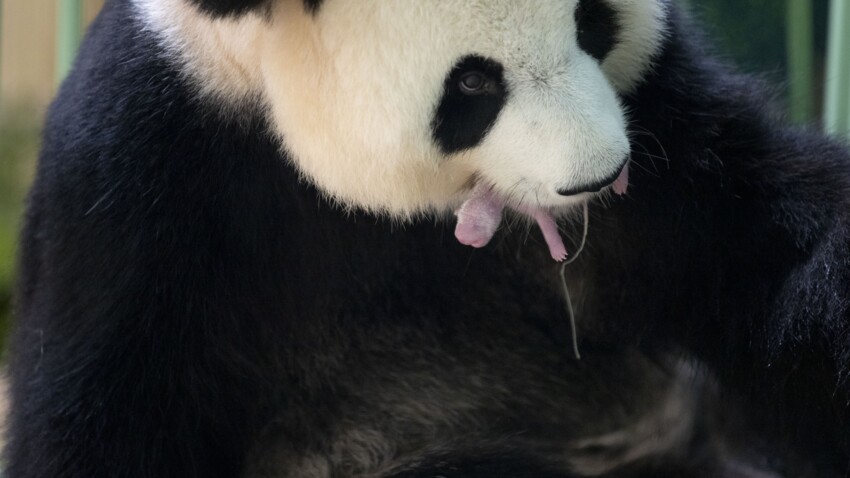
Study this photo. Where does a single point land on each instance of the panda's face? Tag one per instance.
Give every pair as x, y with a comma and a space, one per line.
403, 106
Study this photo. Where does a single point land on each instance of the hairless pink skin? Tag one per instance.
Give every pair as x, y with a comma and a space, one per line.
549, 228
621, 184
479, 218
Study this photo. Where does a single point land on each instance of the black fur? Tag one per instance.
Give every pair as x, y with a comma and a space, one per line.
462, 120
222, 8
312, 6
596, 186
598, 27
186, 304
505, 464
733, 243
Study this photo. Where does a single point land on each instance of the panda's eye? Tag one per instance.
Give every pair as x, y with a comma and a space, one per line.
472, 83
474, 92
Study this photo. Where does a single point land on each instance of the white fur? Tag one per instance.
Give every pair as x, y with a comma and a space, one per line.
220, 56
642, 31
353, 90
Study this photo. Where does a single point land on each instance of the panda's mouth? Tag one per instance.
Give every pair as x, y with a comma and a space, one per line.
480, 215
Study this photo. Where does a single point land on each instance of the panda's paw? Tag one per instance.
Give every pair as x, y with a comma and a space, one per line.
549, 228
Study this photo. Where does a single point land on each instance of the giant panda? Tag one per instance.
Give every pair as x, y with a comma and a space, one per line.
246, 251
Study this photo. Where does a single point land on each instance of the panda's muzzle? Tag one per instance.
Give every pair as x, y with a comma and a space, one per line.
481, 214
597, 186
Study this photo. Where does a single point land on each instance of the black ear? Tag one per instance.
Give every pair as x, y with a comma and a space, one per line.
222, 8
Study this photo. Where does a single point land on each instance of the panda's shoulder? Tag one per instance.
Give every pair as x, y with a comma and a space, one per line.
120, 77
128, 119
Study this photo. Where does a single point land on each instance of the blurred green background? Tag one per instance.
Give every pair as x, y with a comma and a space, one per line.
753, 33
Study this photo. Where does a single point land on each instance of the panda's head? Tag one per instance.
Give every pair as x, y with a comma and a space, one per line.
403, 106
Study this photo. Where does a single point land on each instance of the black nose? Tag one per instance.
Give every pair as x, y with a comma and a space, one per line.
595, 186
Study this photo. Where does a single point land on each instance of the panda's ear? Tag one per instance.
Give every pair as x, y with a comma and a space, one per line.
221, 8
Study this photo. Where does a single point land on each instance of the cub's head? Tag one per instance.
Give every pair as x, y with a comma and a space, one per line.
402, 107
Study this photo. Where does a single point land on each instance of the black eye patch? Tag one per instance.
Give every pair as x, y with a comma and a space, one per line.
474, 93
598, 27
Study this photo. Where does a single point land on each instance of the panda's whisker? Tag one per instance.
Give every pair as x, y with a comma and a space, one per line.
512, 190
644, 168
652, 158
645, 132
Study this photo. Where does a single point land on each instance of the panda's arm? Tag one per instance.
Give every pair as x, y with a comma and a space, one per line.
138, 347
733, 243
